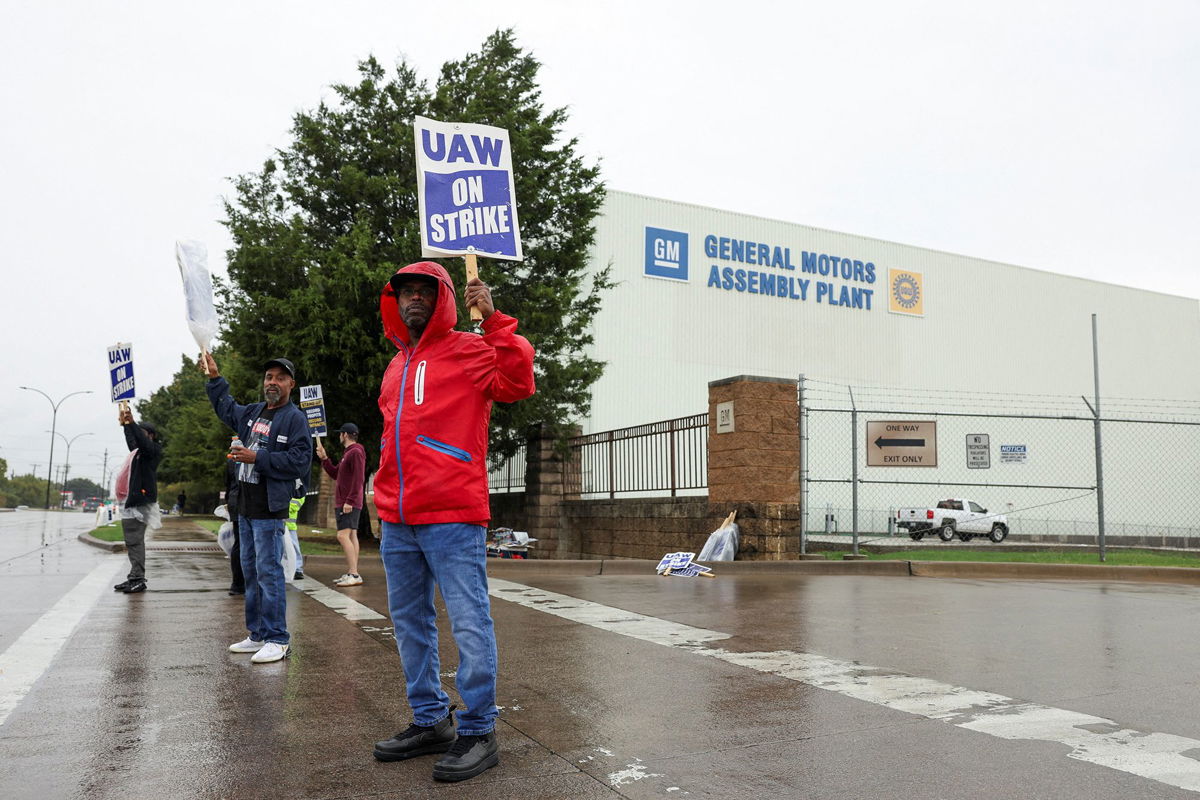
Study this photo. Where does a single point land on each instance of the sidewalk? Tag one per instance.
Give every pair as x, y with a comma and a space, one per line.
613, 683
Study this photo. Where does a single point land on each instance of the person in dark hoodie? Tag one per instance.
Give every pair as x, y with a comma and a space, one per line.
139, 508
431, 493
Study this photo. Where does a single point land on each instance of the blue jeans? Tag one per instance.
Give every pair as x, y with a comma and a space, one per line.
454, 556
266, 602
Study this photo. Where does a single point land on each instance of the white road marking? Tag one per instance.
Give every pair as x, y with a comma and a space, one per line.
28, 658
1161, 757
348, 607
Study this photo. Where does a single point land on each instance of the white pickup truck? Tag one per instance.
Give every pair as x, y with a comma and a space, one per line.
954, 517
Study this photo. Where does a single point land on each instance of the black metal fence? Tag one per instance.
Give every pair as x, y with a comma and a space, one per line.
510, 475
667, 457
662, 457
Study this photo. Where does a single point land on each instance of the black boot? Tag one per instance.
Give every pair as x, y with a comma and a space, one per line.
134, 587
122, 586
469, 756
417, 741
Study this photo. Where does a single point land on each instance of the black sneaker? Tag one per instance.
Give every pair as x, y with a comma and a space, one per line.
417, 740
237, 590
122, 586
134, 587
299, 575
469, 756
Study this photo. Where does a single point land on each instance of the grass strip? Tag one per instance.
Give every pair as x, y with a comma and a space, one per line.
1131, 558
309, 545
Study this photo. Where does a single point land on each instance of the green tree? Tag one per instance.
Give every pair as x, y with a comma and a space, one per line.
318, 231
83, 487
194, 440
25, 490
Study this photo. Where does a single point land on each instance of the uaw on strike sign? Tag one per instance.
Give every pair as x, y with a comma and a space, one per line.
465, 189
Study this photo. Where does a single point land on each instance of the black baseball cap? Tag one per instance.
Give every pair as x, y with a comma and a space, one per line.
149, 428
401, 277
348, 427
283, 363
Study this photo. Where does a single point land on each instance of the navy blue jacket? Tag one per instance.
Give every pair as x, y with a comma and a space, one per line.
289, 450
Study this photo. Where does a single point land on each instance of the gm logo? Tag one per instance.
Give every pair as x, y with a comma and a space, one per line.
666, 254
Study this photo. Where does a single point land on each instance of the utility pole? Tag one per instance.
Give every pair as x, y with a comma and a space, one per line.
104, 475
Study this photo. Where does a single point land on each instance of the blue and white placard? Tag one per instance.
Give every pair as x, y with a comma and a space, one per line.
312, 403
465, 189
120, 370
675, 561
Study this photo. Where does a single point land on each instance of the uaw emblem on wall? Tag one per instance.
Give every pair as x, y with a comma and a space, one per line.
906, 294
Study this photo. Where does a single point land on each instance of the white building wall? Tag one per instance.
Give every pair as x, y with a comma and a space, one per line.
986, 326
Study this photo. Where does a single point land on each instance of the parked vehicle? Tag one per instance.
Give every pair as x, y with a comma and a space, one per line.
956, 516
91, 504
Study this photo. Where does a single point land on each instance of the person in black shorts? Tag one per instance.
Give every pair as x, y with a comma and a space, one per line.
347, 496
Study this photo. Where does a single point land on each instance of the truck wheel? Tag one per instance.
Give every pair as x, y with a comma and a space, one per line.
946, 533
998, 533
916, 536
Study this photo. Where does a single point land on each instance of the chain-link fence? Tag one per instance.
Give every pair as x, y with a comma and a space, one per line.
1035, 474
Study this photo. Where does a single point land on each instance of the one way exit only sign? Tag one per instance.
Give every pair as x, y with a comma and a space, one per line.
902, 443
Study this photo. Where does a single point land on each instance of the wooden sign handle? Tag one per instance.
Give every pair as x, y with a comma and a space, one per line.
473, 272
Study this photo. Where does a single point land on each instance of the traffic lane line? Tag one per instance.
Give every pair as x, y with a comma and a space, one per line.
25, 661
1161, 757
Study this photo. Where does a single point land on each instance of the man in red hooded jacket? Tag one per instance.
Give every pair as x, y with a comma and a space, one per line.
431, 492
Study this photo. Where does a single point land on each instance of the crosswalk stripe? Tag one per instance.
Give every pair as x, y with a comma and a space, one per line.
1156, 756
25, 660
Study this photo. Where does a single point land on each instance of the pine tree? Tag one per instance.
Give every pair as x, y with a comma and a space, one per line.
318, 231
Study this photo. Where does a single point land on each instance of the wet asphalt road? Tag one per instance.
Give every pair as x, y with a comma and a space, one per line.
143, 701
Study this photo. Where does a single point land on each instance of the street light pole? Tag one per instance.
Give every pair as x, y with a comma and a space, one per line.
67, 465
53, 430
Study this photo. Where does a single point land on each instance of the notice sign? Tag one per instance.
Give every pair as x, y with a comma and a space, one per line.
979, 451
465, 190
902, 443
120, 371
312, 402
1014, 453
725, 417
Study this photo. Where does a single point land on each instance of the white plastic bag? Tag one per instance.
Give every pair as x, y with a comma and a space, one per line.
289, 558
192, 258
222, 511
722, 544
225, 537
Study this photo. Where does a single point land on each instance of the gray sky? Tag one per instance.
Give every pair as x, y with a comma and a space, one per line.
1055, 135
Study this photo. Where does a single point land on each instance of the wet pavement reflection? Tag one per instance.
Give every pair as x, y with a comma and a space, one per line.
144, 701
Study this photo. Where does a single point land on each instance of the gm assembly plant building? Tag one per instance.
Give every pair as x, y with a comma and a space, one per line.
704, 294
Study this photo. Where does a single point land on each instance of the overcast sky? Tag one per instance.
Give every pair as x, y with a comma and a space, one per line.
1056, 135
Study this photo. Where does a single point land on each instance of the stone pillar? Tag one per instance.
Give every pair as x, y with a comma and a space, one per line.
323, 514
549, 482
754, 462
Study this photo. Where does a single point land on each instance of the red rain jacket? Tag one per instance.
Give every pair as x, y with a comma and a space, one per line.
436, 400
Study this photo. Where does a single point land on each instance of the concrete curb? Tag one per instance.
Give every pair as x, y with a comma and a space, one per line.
112, 547
919, 569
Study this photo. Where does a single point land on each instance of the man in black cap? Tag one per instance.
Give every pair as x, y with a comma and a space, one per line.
273, 449
139, 507
347, 496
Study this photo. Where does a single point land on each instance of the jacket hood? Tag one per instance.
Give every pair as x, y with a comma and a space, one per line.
445, 312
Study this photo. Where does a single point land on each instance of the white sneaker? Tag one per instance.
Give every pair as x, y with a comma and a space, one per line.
270, 652
350, 580
338, 581
246, 645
